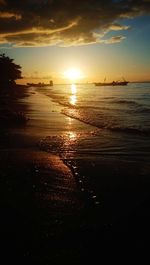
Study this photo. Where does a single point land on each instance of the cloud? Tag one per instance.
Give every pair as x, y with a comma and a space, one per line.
114, 39
9, 15
65, 22
117, 26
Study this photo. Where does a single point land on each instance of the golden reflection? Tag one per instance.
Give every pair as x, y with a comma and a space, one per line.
73, 89
69, 121
73, 97
70, 141
72, 136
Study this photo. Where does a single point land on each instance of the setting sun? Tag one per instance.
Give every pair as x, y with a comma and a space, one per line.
73, 74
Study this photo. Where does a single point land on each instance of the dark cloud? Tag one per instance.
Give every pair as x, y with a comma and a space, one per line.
65, 22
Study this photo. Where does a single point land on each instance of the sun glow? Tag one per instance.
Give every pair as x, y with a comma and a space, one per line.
73, 74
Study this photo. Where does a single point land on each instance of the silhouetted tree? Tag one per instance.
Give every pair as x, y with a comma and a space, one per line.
9, 71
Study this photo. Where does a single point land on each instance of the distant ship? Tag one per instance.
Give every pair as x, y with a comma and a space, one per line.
113, 83
40, 84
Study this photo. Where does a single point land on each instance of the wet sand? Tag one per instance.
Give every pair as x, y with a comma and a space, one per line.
39, 195
45, 216
40, 200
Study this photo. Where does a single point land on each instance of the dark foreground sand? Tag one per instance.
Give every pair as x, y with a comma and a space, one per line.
39, 196
44, 216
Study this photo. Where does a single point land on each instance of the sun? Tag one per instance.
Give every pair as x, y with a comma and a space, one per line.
73, 74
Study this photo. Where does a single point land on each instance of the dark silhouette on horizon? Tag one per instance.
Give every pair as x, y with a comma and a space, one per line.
113, 83
41, 84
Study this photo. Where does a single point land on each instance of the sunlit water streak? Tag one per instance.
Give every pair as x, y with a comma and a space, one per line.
123, 109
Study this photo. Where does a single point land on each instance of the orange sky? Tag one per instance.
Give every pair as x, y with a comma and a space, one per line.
101, 39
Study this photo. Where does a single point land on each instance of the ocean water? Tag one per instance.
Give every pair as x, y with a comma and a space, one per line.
119, 117
103, 135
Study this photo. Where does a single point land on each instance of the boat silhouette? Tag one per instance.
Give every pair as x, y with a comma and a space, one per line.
113, 83
41, 84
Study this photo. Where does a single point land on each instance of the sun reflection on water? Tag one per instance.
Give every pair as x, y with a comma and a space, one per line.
69, 143
72, 136
73, 97
73, 89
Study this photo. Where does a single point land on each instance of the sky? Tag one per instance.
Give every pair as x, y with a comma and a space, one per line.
87, 40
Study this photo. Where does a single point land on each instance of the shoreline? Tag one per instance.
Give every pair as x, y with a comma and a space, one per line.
46, 218
38, 192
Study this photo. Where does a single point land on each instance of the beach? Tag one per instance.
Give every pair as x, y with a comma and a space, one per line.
74, 132
72, 192
39, 196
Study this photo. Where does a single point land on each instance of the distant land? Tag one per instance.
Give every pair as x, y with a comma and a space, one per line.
147, 81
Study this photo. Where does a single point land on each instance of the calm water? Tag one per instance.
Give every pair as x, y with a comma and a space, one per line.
119, 117
103, 135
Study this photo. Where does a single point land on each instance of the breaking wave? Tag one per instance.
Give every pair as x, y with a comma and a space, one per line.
105, 122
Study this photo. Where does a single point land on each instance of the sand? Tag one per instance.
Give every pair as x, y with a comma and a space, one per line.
40, 200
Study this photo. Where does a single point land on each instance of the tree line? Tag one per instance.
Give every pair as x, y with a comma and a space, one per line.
9, 72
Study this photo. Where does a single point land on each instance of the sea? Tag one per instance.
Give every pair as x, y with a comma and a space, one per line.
103, 135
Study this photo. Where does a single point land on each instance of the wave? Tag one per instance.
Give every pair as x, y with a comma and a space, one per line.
126, 101
105, 123
131, 130
63, 101
106, 113
144, 110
